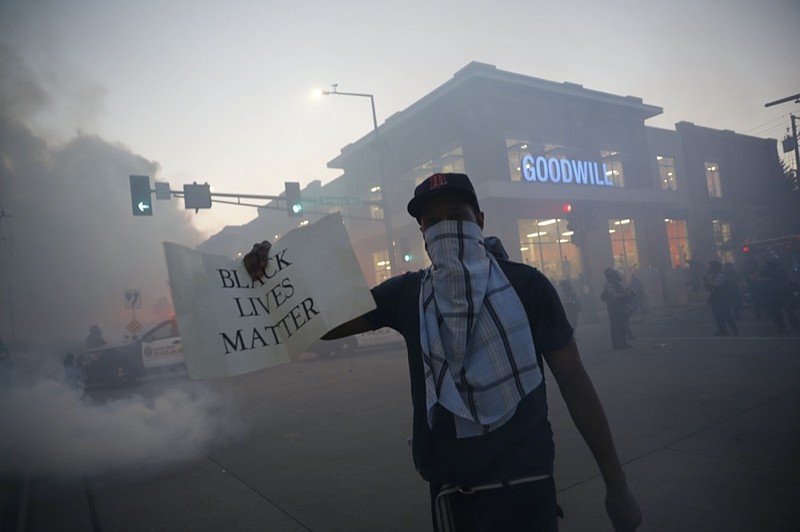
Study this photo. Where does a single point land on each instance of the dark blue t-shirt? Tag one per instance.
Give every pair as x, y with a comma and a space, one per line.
521, 447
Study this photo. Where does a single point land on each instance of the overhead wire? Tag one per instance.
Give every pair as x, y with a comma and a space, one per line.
784, 117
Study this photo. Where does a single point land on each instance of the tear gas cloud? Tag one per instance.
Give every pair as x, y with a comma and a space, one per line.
70, 245
51, 428
69, 248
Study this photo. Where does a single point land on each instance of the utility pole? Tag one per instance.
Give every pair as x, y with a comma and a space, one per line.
793, 119
796, 142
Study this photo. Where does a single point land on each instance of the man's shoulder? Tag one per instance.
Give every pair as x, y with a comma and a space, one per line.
521, 271
404, 281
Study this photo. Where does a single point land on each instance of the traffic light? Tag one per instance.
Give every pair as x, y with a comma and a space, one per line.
574, 226
572, 221
141, 200
405, 250
294, 201
197, 196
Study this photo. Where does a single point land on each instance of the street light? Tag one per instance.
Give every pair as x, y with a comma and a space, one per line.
387, 219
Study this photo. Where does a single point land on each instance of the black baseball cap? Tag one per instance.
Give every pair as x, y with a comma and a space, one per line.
439, 185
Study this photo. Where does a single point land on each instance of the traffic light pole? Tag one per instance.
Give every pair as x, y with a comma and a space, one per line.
579, 222
590, 306
239, 197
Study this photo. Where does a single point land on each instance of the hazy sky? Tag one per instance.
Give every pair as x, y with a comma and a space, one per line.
220, 91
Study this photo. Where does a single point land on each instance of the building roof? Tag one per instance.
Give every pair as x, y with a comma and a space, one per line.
476, 71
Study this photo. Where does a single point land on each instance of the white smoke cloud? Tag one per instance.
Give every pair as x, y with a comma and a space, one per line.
70, 248
52, 428
71, 245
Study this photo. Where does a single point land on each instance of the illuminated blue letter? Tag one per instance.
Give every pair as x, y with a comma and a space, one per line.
579, 169
566, 171
528, 172
554, 167
541, 169
593, 173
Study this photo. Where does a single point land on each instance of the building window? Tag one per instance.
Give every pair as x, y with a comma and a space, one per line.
666, 172
375, 197
722, 240
546, 245
382, 267
713, 180
623, 244
451, 161
678, 240
613, 165
516, 150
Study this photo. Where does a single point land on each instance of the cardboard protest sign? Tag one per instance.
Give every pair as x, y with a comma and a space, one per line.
231, 324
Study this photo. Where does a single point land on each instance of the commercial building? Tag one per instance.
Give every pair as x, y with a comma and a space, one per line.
572, 181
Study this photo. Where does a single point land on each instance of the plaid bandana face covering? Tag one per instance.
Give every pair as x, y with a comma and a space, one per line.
477, 348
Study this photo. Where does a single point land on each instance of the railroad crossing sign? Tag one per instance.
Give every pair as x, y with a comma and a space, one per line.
133, 298
134, 327
338, 201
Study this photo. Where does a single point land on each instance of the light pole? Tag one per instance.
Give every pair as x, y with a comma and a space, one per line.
387, 219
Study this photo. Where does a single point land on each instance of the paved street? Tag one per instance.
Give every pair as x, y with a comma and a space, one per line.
707, 428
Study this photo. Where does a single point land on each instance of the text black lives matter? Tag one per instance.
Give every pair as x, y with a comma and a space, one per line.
275, 298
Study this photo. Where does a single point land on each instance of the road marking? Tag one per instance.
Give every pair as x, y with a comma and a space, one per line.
724, 338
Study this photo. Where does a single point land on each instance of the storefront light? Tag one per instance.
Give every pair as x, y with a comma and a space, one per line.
547, 222
622, 222
375, 189
568, 233
612, 230
303, 223
524, 248
534, 235
564, 241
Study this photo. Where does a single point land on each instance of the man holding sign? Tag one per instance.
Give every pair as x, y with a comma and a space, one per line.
477, 328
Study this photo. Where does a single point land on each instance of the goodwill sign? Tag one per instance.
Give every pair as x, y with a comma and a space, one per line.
232, 325
557, 170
